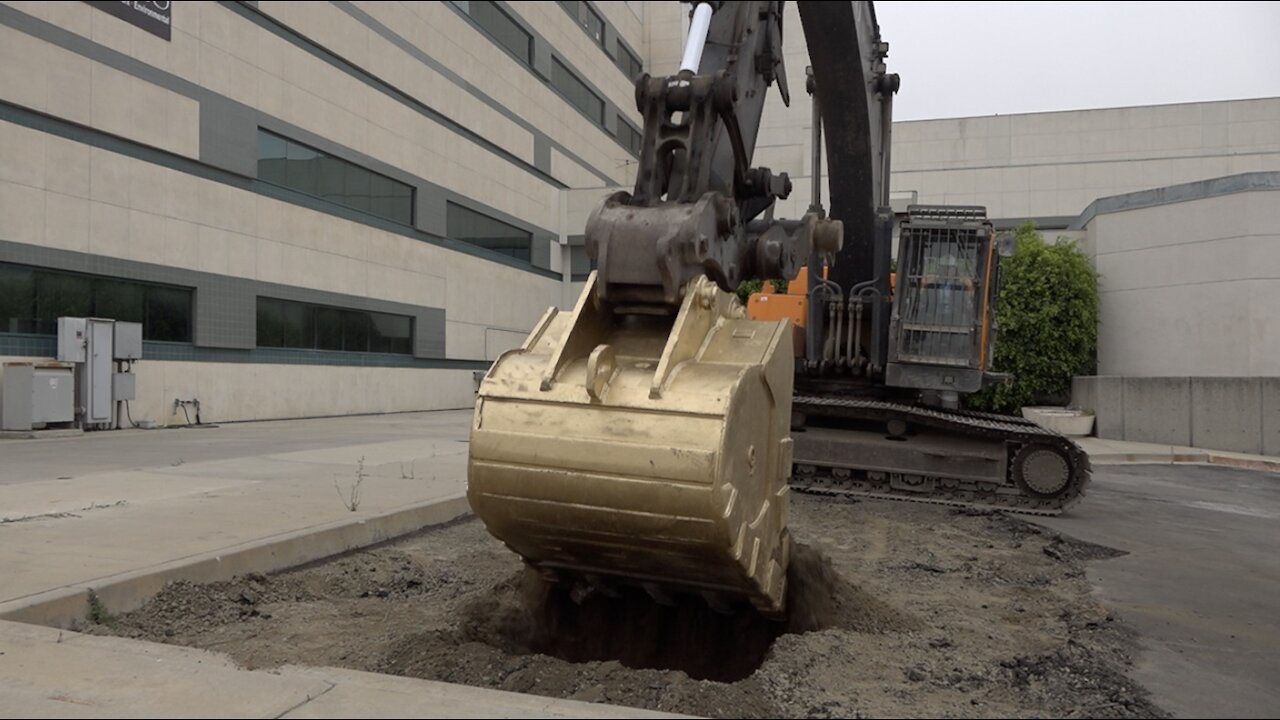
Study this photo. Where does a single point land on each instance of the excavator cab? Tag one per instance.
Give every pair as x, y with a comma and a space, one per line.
942, 329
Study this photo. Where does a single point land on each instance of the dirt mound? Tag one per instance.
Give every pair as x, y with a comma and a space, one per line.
185, 608
820, 598
895, 609
578, 624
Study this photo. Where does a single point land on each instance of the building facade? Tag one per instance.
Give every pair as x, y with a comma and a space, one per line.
322, 208
313, 208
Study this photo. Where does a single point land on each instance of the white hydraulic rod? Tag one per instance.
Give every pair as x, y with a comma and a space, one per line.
698, 29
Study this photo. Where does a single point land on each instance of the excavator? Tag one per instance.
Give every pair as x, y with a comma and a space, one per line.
651, 436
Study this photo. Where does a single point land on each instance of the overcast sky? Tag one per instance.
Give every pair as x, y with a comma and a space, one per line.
983, 58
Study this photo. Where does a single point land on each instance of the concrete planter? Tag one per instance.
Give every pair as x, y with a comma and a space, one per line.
1074, 423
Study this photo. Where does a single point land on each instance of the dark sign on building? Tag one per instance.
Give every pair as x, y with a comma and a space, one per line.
154, 17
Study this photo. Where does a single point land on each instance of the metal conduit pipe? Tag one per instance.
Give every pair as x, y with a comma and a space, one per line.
838, 306
855, 329
828, 349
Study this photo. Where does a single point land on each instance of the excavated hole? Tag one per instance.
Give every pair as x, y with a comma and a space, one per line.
688, 636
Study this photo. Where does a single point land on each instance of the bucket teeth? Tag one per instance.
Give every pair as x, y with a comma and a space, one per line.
643, 450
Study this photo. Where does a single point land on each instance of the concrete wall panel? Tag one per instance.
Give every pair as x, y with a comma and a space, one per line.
1264, 340
249, 391
1232, 414
1226, 414
1103, 395
1158, 410
1270, 415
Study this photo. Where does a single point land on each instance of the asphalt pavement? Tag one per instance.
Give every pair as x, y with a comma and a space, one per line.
1200, 581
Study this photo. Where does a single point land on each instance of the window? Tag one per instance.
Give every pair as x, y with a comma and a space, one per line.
576, 91
479, 229
32, 300
580, 264
630, 138
505, 31
288, 324
284, 162
587, 17
593, 24
628, 63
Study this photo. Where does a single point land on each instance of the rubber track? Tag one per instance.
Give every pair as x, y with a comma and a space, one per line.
964, 423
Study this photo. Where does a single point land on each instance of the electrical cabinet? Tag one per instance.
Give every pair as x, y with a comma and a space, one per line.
33, 396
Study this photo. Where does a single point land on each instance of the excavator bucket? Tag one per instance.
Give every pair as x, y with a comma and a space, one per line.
643, 450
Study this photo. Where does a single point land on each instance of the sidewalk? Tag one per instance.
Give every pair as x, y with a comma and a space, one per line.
123, 513
1112, 452
54, 673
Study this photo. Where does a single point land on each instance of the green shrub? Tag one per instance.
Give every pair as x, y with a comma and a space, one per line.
747, 287
98, 614
1047, 317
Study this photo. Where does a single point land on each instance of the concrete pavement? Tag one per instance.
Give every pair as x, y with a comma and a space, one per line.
54, 673
123, 513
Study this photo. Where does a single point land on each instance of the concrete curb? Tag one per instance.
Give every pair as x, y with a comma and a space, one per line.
1245, 463
1149, 458
1196, 458
128, 591
40, 434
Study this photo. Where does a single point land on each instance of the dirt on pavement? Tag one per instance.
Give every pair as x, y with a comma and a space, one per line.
897, 609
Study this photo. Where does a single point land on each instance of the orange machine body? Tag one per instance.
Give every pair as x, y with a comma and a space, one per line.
792, 305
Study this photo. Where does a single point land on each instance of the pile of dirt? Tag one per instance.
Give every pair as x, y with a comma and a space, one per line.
525, 614
819, 598
895, 609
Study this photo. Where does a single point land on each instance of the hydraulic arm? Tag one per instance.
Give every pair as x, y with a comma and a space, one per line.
644, 438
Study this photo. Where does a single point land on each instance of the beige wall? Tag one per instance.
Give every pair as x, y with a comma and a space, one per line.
1190, 288
214, 48
63, 194
59, 193
40, 76
246, 391
1054, 164
663, 36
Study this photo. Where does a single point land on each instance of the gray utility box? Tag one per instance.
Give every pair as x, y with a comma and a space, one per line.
33, 396
128, 341
123, 387
72, 339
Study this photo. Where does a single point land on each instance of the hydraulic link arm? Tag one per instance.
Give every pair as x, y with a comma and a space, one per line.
697, 198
